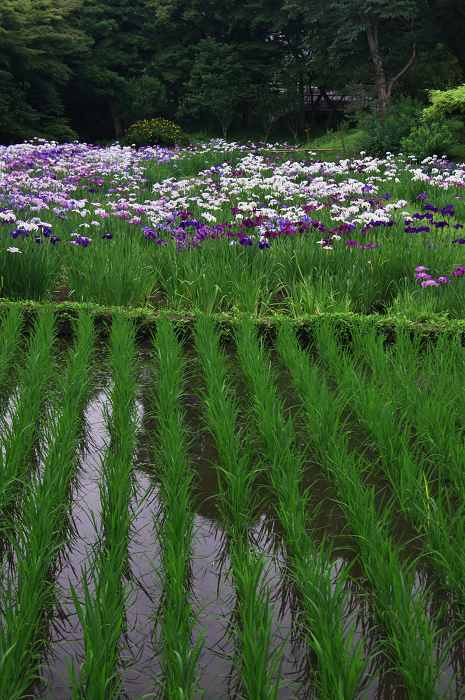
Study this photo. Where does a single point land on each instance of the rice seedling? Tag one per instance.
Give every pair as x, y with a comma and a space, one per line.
102, 610
18, 435
339, 674
174, 526
402, 606
418, 474
10, 335
257, 660
27, 593
423, 386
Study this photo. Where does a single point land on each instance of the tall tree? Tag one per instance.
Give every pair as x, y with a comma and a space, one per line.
119, 54
444, 21
37, 41
387, 27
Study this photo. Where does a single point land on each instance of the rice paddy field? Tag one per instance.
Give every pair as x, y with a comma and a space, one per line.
259, 491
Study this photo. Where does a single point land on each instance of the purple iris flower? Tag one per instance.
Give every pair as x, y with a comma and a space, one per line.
443, 279
421, 268
55, 239
422, 276
458, 226
459, 240
430, 283
349, 243
46, 230
245, 240
263, 244
107, 235
82, 240
422, 196
19, 232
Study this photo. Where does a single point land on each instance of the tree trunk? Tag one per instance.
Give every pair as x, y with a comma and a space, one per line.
383, 88
302, 102
246, 107
115, 116
315, 106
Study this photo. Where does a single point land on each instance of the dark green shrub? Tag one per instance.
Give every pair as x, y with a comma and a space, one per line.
378, 139
156, 132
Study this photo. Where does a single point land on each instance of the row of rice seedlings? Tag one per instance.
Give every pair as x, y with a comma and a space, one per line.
257, 662
414, 466
27, 595
412, 635
420, 381
432, 401
10, 335
19, 434
102, 611
331, 632
174, 525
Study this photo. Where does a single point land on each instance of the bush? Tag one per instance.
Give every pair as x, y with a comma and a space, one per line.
156, 132
400, 119
429, 138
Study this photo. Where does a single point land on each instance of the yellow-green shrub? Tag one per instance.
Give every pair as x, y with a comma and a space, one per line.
156, 132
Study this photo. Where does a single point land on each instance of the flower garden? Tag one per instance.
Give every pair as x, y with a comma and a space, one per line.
232, 424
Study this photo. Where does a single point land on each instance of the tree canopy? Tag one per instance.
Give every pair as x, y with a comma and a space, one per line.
92, 68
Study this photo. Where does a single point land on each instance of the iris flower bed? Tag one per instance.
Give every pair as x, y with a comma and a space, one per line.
226, 228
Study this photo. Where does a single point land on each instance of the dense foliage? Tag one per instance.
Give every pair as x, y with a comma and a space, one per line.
90, 69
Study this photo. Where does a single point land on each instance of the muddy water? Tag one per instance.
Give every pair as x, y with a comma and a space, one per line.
212, 592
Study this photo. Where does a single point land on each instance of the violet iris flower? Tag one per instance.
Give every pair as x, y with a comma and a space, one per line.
430, 283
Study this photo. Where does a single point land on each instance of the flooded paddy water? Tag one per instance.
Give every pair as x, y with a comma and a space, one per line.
210, 584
